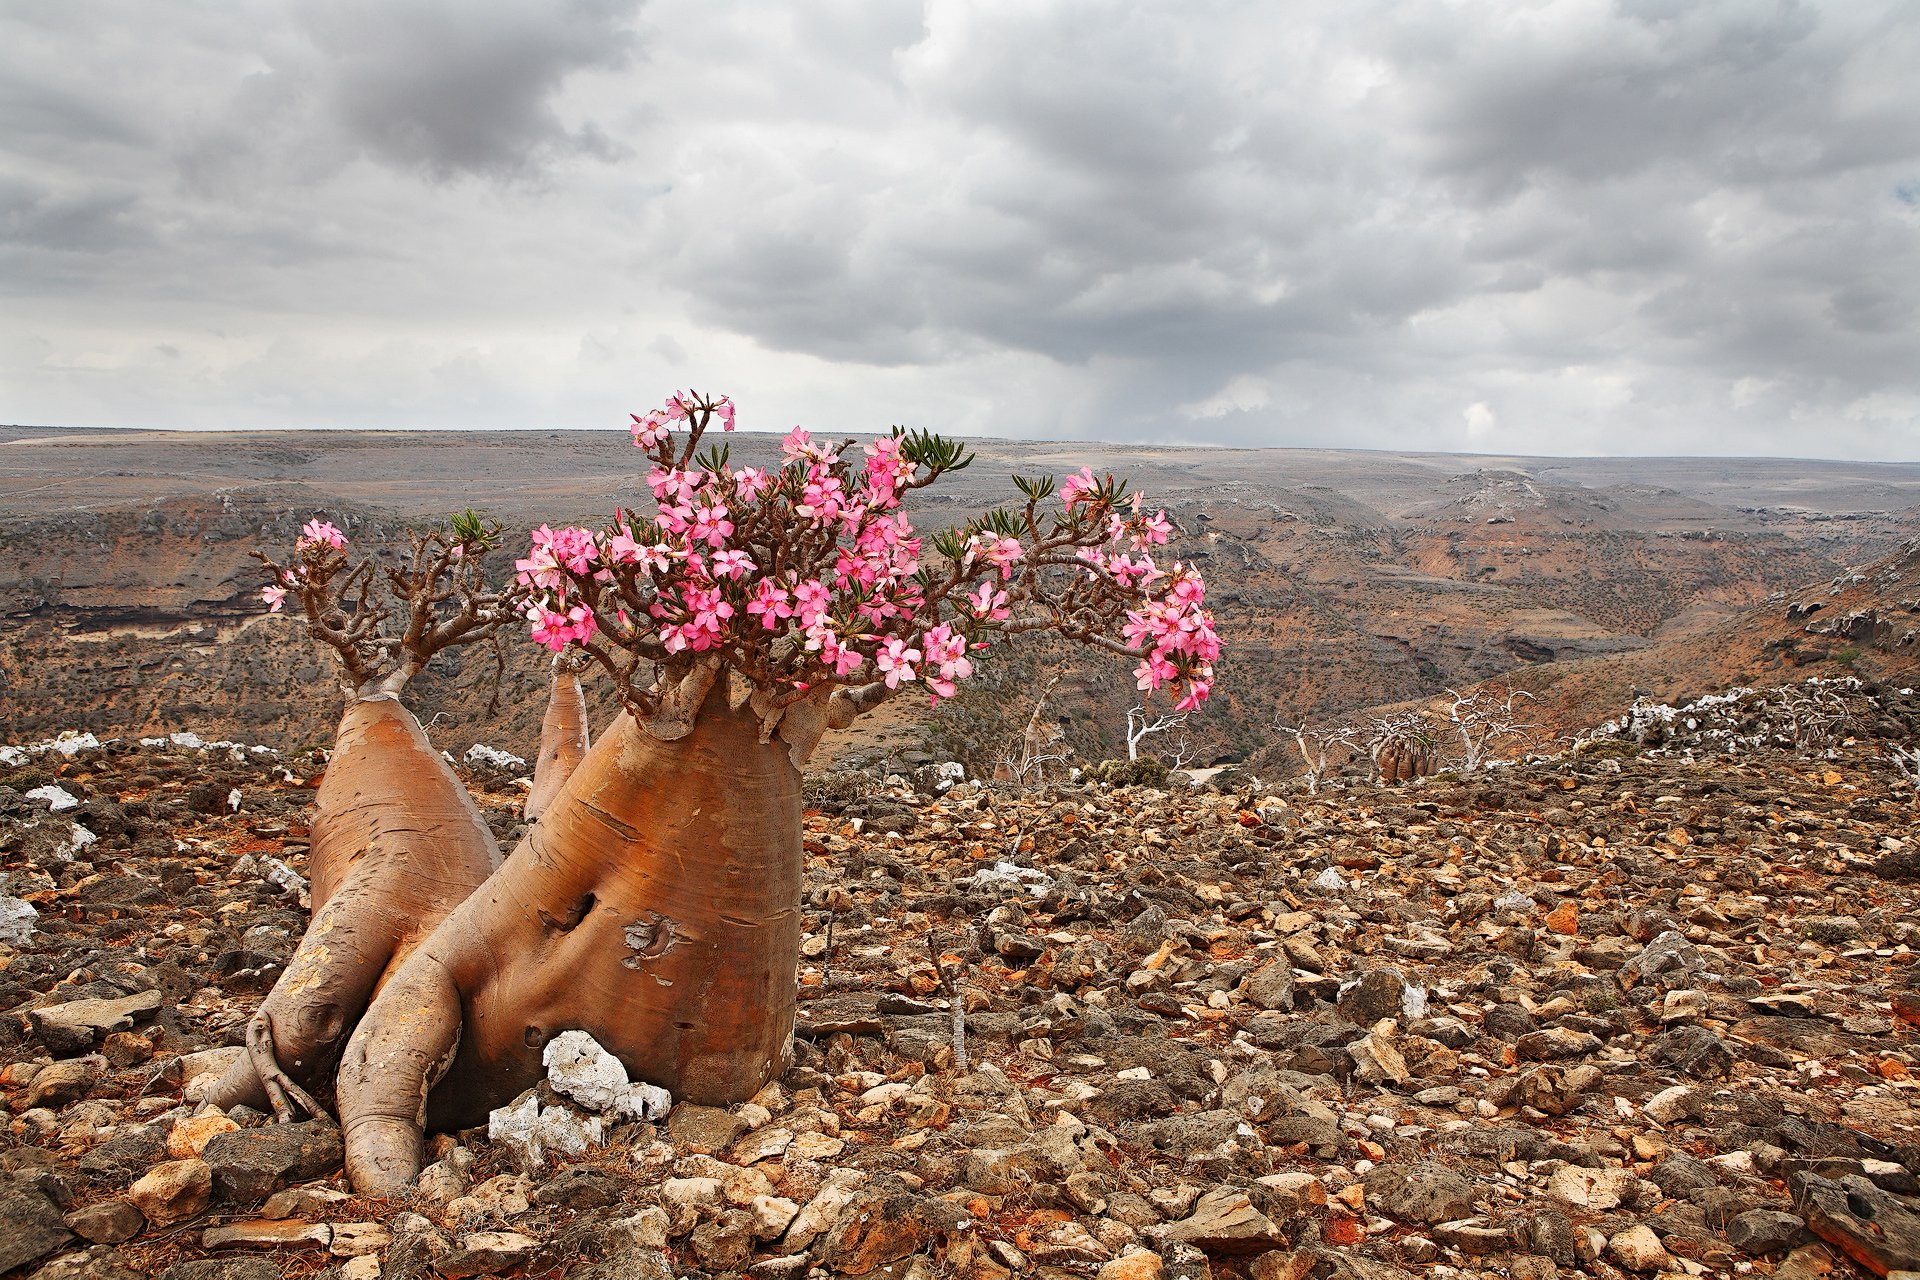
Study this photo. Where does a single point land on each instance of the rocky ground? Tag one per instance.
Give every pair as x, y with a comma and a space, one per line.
1648, 1009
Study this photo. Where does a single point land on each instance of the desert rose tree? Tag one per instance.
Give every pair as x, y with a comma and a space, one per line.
396, 840
656, 902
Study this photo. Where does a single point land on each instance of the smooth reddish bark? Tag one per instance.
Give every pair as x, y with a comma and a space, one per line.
563, 739
655, 906
396, 844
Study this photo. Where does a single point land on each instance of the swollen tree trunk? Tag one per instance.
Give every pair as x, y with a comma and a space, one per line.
397, 843
655, 906
563, 739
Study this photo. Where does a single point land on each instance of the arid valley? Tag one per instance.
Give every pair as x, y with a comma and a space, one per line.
1643, 999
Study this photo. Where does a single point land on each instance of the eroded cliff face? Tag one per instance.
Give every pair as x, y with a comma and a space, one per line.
131, 620
121, 613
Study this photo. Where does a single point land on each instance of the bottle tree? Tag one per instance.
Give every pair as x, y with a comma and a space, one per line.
656, 902
396, 841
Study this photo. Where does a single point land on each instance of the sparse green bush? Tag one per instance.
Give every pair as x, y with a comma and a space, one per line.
27, 779
833, 791
1126, 773
1228, 781
1607, 749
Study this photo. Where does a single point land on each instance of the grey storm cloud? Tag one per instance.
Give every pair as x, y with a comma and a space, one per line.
1573, 226
464, 88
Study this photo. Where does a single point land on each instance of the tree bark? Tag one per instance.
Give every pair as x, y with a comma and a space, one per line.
397, 843
656, 906
563, 740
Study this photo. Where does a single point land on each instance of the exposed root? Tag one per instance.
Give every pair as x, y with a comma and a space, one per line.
282, 1091
392, 1063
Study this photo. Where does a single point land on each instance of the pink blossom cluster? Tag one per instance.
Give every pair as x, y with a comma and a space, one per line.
1177, 632
317, 538
811, 573
656, 426
317, 532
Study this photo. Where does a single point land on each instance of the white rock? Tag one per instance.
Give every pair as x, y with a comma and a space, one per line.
530, 1133
184, 739
16, 920
686, 1199
1669, 1104
823, 1210
71, 745
1329, 881
494, 756
771, 1215
284, 877
644, 1102
579, 1068
58, 799
1638, 1249
647, 1229
1591, 1189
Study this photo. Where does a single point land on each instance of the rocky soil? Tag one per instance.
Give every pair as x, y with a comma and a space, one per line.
1649, 1009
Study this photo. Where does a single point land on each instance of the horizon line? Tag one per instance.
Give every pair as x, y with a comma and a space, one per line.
1024, 440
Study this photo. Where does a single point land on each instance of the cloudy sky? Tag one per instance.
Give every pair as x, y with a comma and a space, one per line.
1647, 226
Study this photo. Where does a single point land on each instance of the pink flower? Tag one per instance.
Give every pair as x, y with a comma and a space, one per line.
674, 485
770, 603
812, 600
650, 430
887, 472
541, 568
725, 406
1001, 552
896, 661
988, 603
796, 444
1127, 571
732, 564
316, 532
1197, 691
750, 483
834, 653
1154, 670
275, 598
947, 654
556, 630
1074, 489
1151, 530
710, 525
823, 498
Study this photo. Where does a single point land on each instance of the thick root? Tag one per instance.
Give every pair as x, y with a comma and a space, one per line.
394, 1058
397, 845
301, 1026
281, 1090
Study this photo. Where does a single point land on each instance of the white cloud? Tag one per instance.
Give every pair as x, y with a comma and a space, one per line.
1242, 394
1480, 420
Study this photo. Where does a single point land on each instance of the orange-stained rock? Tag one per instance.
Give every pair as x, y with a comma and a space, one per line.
172, 1191
189, 1137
